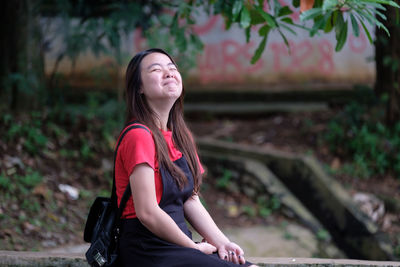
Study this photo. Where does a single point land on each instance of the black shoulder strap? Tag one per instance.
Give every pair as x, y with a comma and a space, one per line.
127, 192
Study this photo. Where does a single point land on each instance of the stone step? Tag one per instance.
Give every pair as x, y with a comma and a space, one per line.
251, 108
39, 259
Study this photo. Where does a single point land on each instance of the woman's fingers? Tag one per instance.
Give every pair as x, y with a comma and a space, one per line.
241, 259
234, 257
206, 248
232, 254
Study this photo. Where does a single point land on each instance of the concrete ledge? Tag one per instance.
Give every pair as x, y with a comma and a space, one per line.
36, 259
314, 262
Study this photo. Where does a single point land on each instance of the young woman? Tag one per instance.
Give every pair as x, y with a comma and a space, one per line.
159, 161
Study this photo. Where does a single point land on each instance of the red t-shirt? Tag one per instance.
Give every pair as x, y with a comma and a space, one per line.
138, 147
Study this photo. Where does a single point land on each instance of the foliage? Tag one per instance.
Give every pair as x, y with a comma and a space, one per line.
323, 235
397, 251
29, 133
20, 184
76, 146
174, 30
358, 134
225, 179
267, 205
103, 28
335, 14
325, 16
98, 28
249, 210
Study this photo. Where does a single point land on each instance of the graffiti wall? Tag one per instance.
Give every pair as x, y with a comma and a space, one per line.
225, 60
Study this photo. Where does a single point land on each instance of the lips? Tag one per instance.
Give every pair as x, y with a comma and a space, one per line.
169, 82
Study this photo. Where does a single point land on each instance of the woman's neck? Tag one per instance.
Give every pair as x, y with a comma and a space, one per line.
162, 115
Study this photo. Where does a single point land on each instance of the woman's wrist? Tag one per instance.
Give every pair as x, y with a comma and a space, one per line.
222, 243
193, 245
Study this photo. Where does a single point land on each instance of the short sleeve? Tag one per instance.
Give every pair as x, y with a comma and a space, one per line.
137, 147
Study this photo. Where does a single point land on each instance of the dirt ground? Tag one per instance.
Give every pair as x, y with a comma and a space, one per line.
299, 133
58, 219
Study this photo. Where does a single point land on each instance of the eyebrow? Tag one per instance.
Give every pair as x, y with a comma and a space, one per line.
158, 64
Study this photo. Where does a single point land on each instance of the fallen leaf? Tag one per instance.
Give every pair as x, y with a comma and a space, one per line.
335, 164
41, 190
52, 216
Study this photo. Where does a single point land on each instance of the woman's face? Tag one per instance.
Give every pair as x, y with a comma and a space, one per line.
161, 80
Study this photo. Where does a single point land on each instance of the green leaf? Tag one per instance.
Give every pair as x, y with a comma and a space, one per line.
237, 7
174, 25
267, 17
195, 40
339, 25
284, 39
277, 6
329, 4
377, 6
354, 24
318, 3
329, 22
296, 3
288, 29
385, 2
228, 24
287, 20
380, 14
245, 18
181, 40
366, 15
256, 17
366, 32
320, 23
264, 30
310, 14
259, 50
284, 11
372, 20
342, 37
247, 32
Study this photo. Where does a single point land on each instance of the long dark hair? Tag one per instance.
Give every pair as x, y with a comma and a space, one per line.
138, 108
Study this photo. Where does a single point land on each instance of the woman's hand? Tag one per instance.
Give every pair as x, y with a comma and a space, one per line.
206, 248
231, 252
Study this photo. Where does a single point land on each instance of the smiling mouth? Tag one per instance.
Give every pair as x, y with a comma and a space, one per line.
171, 82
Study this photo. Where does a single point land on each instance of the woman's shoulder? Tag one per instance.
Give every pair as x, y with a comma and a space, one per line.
135, 132
135, 125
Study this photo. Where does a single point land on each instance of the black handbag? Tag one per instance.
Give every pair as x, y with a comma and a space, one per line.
102, 227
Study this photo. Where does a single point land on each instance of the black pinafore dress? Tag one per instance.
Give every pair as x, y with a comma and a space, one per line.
140, 247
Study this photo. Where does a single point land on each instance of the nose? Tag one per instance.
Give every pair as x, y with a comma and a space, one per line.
169, 74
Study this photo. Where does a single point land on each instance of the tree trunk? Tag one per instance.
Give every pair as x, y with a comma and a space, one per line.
22, 62
387, 56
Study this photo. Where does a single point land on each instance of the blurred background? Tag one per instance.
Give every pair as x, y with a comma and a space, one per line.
330, 97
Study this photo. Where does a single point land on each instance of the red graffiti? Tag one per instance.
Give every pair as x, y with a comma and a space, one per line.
206, 27
227, 61
358, 44
325, 63
300, 57
303, 57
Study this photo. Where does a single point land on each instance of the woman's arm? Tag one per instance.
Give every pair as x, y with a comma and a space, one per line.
152, 216
202, 222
